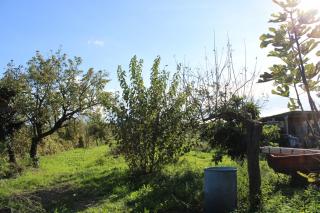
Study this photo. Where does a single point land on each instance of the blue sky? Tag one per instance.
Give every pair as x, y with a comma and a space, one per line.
108, 33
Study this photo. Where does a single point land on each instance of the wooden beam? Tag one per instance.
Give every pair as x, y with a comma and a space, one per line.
286, 151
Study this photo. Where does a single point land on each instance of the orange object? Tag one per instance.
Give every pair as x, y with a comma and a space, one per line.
290, 164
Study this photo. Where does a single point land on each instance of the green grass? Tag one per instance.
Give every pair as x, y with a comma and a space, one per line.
92, 180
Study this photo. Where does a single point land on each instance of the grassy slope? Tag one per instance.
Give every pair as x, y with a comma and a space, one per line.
92, 180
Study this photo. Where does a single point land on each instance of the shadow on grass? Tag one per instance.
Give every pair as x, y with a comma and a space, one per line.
179, 192
87, 193
290, 187
176, 193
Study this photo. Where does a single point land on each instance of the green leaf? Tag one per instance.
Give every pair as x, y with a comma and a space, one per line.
308, 46
265, 43
265, 77
292, 104
311, 71
292, 25
278, 17
272, 29
311, 177
281, 91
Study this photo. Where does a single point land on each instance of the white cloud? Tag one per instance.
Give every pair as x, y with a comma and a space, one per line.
96, 42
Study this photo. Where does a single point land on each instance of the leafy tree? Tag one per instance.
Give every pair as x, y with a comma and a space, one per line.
151, 122
10, 119
56, 90
241, 119
228, 134
98, 128
294, 41
223, 98
76, 131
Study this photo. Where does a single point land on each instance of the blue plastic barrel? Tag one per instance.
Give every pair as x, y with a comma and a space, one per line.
220, 189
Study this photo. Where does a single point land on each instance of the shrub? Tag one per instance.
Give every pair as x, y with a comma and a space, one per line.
151, 122
270, 134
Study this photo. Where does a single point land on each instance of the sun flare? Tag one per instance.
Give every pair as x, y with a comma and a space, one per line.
310, 4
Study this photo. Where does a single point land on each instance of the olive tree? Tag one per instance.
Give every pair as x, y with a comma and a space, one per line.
152, 122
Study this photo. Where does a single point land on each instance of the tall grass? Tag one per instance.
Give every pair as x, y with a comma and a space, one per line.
93, 180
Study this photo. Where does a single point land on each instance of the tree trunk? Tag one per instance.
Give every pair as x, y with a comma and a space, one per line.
33, 151
11, 154
253, 134
313, 106
81, 142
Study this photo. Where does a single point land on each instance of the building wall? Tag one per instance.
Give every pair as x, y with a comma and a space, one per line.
298, 127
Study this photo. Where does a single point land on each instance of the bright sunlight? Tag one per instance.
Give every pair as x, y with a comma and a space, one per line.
310, 4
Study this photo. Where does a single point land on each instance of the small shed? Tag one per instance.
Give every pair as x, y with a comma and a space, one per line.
294, 127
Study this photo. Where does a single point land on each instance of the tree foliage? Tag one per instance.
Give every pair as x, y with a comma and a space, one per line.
294, 41
270, 135
10, 119
223, 98
55, 91
227, 133
98, 129
151, 122
8, 116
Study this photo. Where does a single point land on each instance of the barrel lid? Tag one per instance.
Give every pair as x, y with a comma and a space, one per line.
221, 169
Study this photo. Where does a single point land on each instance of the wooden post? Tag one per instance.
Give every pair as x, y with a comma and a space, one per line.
253, 134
